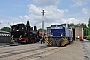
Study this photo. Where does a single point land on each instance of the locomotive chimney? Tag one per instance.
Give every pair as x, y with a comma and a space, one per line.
35, 28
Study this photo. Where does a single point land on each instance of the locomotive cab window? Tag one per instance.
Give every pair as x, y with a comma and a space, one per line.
21, 27
14, 28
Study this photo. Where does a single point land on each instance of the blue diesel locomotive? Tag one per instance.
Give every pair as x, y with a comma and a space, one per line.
59, 35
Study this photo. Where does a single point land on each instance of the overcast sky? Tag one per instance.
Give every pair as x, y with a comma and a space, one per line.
56, 12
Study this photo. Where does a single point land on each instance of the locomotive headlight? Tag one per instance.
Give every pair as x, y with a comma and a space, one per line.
61, 34
17, 30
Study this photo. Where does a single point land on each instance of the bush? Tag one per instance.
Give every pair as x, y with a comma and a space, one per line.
84, 37
88, 37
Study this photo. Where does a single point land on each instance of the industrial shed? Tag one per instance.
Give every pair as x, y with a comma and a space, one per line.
5, 37
77, 31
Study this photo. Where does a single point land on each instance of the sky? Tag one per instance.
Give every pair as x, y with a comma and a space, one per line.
56, 12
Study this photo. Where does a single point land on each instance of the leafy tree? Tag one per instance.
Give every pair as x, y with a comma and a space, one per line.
71, 24
8, 29
89, 23
78, 24
85, 28
83, 25
89, 26
88, 31
40, 30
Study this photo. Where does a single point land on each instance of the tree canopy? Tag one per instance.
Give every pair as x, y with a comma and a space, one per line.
89, 23
8, 29
40, 30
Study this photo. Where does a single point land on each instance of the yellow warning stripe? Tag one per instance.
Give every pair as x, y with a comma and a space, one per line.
49, 41
64, 41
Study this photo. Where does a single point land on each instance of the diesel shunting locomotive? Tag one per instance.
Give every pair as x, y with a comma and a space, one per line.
24, 33
59, 35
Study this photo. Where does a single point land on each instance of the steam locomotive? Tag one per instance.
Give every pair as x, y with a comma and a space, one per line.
24, 33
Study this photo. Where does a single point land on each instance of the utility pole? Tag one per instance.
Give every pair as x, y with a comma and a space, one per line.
42, 22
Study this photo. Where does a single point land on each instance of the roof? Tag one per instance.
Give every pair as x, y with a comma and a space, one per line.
4, 32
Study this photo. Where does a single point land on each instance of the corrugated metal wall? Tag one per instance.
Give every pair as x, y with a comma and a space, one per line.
5, 39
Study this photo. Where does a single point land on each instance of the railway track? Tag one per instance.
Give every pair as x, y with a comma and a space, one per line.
8, 53
39, 54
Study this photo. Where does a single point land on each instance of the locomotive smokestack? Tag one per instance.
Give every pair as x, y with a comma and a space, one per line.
35, 28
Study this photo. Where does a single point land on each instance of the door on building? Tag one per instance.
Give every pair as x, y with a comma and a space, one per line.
73, 33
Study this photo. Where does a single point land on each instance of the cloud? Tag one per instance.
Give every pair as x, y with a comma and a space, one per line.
1, 21
52, 14
85, 10
7, 21
78, 3
74, 20
43, 3
34, 10
71, 20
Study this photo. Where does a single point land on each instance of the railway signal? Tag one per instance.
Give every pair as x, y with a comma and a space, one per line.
42, 22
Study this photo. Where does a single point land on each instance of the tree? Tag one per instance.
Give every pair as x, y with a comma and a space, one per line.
40, 30
71, 24
89, 23
8, 29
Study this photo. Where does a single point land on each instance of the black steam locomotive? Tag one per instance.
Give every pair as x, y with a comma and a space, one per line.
24, 33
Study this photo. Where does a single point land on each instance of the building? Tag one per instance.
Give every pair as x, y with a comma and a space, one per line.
77, 31
5, 37
4, 33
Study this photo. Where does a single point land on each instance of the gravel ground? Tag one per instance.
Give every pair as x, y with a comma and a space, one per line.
73, 51
86, 47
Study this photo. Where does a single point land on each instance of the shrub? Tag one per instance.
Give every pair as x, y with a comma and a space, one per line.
84, 37
88, 37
